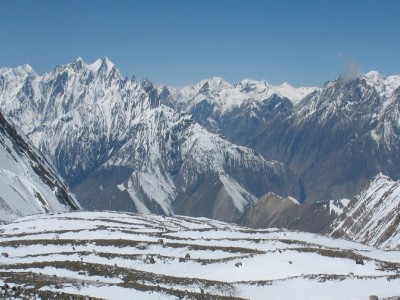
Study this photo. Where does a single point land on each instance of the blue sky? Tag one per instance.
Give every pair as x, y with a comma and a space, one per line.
181, 42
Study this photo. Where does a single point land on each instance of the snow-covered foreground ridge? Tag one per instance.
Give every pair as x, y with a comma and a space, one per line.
113, 255
373, 217
28, 183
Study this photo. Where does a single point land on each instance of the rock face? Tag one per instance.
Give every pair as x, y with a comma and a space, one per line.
372, 217
28, 184
119, 148
273, 211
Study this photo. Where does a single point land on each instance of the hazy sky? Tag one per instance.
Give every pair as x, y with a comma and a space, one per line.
180, 42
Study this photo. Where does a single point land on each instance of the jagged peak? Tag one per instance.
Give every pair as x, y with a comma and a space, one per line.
27, 68
252, 82
212, 84
106, 65
216, 81
23, 70
372, 73
95, 66
78, 59
385, 86
79, 62
381, 176
106, 61
285, 89
372, 77
146, 81
286, 85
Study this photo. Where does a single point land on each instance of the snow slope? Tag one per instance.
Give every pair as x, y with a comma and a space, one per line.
372, 217
113, 255
28, 184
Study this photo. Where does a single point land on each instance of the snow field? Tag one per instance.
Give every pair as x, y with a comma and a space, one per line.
116, 255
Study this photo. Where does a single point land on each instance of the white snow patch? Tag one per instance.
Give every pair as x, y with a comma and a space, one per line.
239, 195
94, 67
294, 200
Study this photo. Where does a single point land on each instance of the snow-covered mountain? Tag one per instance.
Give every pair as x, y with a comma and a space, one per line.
372, 217
120, 148
111, 255
135, 147
339, 137
226, 96
334, 138
234, 111
28, 184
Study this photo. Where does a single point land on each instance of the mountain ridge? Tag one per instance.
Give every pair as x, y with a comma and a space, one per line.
86, 117
346, 128
28, 183
372, 217
92, 122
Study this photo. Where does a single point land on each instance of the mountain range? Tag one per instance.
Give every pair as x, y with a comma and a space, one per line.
212, 149
307, 164
120, 148
334, 138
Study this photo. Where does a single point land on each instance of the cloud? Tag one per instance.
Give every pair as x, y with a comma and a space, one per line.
351, 69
